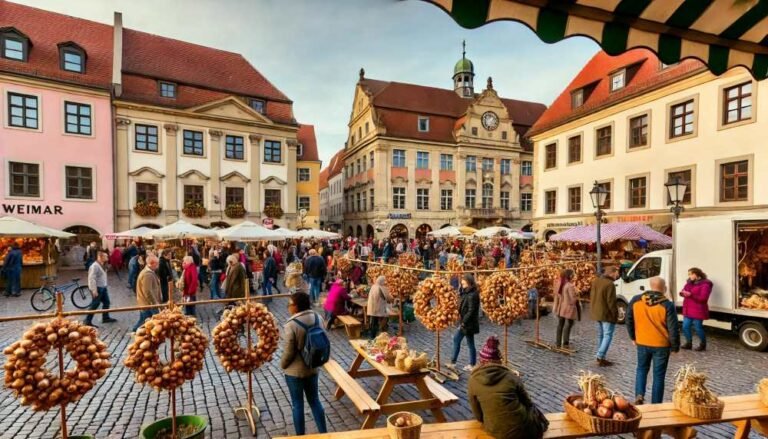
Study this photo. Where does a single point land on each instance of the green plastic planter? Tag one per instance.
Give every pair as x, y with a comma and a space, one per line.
150, 431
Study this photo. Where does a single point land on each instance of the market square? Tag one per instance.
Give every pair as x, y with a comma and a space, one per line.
551, 238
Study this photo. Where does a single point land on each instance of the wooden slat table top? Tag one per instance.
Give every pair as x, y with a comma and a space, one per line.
360, 301
448, 430
385, 369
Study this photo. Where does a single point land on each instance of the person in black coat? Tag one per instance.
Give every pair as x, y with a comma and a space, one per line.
269, 273
165, 273
469, 309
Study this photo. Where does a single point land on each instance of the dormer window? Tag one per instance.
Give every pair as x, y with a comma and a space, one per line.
618, 80
577, 98
14, 44
299, 150
423, 124
257, 105
71, 57
167, 89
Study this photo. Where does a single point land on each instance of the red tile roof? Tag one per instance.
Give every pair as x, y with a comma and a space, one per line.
45, 31
323, 179
336, 164
596, 72
399, 104
306, 136
203, 74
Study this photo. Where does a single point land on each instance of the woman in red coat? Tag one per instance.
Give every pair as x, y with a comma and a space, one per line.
695, 308
189, 292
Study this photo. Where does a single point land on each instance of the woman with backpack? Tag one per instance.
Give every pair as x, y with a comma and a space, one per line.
298, 350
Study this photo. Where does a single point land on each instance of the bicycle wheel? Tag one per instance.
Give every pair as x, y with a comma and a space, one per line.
42, 299
81, 297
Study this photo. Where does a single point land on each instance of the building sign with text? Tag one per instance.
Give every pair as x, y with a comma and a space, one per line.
31, 209
399, 216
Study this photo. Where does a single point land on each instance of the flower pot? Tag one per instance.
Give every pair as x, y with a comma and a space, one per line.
201, 422
148, 210
194, 211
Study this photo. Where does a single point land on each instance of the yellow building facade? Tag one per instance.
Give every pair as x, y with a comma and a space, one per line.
308, 167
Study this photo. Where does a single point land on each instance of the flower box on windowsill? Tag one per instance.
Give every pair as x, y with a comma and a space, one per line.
235, 211
273, 211
194, 210
147, 209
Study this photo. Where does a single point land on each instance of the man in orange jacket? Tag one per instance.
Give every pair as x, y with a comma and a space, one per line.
652, 326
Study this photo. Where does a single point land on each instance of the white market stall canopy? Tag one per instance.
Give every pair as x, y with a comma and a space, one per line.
491, 232
613, 232
138, 232
721, 33
317, 234
249, 231
180, 230
452, 231
17, 228
288, 233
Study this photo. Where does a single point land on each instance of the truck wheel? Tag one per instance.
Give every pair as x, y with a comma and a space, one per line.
753, 336
622, 306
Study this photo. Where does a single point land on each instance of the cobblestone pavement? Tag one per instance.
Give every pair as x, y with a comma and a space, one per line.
118, 406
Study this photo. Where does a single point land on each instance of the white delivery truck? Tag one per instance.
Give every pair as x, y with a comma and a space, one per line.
733, 251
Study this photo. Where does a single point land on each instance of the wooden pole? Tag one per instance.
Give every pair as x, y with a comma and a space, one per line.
171, 293
506, 344
399, 317
63, 410
437, 333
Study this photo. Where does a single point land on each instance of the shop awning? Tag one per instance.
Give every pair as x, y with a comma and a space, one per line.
452, 231
138, 232
13, 227
249, 231
721, 33
317, 234
490, 232
180, 230
613, 232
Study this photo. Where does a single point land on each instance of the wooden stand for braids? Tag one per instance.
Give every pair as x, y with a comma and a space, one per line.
248, 409
170, 361
60, 314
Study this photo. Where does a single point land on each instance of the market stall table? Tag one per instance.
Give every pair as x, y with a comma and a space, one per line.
361, 303
434, 396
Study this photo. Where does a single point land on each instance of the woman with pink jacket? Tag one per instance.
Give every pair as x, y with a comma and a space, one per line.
189, 291
695, 296
566, 308
335, 303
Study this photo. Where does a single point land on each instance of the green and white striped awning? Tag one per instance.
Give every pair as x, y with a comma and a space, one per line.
722, 33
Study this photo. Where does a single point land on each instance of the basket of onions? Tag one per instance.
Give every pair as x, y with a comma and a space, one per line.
404, 425
598, 410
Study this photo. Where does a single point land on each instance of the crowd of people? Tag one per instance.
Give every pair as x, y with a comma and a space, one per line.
496, 395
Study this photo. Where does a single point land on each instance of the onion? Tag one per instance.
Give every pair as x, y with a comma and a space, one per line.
619, 416
621, 403
604, 412
608, 403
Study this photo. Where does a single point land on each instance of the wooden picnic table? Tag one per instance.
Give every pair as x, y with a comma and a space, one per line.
362, 303
449, 430
433, 396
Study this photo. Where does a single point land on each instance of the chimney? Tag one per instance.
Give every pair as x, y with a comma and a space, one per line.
117, 55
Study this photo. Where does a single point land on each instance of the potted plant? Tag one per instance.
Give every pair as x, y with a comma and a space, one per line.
273, 211
147, 208
193, 209
235, 210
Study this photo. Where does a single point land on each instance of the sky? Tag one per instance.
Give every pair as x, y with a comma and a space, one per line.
312, 50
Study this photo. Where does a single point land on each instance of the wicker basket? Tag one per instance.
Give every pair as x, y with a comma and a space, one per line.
412, 432
599, 425
698, 411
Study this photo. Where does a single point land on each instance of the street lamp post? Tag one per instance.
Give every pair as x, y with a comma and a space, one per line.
676, 190
598, 195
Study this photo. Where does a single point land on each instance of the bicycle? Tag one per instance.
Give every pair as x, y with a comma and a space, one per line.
45, 297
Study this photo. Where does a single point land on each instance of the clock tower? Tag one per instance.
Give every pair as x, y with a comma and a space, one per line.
464, 75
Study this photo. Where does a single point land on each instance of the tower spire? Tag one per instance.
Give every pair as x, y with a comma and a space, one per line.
463, 49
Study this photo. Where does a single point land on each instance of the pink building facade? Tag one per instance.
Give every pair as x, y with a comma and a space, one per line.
56, 166
56, 158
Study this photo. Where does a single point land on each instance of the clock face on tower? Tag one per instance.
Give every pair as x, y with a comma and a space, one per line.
490, 120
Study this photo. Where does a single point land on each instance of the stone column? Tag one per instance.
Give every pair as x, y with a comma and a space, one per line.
171, 204
214, 158
253, 194
123, 205
290, 187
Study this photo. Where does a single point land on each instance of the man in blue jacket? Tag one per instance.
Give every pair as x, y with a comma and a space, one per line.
12, 271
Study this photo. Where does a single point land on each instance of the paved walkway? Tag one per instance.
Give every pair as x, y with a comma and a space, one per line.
118, 406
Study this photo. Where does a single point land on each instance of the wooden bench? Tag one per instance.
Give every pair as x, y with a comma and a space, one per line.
352, 325
440, 392
347, 385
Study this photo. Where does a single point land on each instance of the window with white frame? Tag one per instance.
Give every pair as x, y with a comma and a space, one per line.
526, 168
446, 199
303, 174
487, 164
446, 162
618, 80
526, 202
504, 200
487, 196
471, 163
506, 166
303, 202
398, 158
422, 160
469, 198
423, 124
422, 199
398, 198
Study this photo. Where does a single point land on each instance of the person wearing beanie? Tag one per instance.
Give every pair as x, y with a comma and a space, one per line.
499, 400
469, 309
